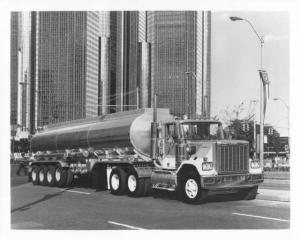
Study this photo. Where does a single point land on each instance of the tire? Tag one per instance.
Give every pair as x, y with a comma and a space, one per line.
118, 182
191, 189
43, 175
51, 176
247, 193
99, 179
148, 187
135, 185
60, 176
70, 177
34, 175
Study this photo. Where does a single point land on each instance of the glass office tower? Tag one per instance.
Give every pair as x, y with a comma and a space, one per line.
66, 66
180, 60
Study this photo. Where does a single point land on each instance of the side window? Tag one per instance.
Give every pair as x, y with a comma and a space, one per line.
171, 131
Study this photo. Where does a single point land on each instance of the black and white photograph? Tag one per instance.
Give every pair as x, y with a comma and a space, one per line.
148, 119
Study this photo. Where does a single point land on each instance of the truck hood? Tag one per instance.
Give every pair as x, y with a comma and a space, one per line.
204, 148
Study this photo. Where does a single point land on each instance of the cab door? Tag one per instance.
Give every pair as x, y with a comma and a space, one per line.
171, 139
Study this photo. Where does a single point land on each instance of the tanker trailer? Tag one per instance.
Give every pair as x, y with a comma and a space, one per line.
137, 151
116, 141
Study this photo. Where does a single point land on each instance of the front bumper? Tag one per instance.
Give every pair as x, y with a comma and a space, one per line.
233, 181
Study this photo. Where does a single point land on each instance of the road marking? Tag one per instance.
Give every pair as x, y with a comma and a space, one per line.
125, 225
74, 191
270, 218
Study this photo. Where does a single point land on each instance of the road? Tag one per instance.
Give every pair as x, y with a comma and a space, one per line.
82, 208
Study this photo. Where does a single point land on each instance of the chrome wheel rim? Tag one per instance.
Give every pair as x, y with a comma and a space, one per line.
41, 176
115, 181
57, 175
49, 177
132, 183
191, 188
33, 175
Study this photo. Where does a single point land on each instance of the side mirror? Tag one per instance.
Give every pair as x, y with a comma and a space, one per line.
191, 150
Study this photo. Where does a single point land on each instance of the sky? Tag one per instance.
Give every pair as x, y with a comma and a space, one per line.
236, 60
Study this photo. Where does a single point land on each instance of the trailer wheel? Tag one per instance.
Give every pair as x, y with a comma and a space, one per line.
99, 181
117, 181
34, 175
136, 185
51, 176
70, 177
60, 176
191, 189
42, 176
247, 193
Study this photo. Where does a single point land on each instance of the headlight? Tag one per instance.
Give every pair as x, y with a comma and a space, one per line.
206, 166
255, 164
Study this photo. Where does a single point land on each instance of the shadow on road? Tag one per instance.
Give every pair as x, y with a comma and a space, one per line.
45, 198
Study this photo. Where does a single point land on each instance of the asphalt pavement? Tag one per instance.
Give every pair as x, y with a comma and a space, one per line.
82, 208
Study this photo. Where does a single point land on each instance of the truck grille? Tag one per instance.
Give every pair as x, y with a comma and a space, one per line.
232, 158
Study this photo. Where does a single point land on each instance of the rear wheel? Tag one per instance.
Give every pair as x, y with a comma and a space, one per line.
99, 179
136, 185
43, 175
34, 175
191, 189
51, 176
70, 177
60, 176
117, 181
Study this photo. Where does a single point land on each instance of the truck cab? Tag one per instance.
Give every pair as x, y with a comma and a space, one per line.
200, 161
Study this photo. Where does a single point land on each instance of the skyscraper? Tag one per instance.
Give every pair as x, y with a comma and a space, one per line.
125, 86
66, 66
180, 60
20, 70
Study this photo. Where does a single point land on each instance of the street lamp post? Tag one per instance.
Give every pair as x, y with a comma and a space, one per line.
254, 129
261, 135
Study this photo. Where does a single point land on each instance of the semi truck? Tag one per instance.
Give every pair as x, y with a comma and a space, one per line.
144, 150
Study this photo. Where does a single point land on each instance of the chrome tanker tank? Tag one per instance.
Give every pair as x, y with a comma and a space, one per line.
123, 129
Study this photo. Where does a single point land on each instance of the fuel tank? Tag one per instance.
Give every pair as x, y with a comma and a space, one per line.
123, 129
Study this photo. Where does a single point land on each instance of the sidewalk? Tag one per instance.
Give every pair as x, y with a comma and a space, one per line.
277, 175
273, 195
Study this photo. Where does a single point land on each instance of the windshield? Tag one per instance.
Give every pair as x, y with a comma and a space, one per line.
202, 130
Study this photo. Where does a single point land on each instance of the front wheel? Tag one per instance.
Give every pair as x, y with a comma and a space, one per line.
191, 189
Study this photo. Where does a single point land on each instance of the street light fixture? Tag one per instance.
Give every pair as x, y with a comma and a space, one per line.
288, 113
261, 135
279, 99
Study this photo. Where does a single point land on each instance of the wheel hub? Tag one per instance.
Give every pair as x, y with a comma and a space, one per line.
191, 188
115, 181
132, 183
